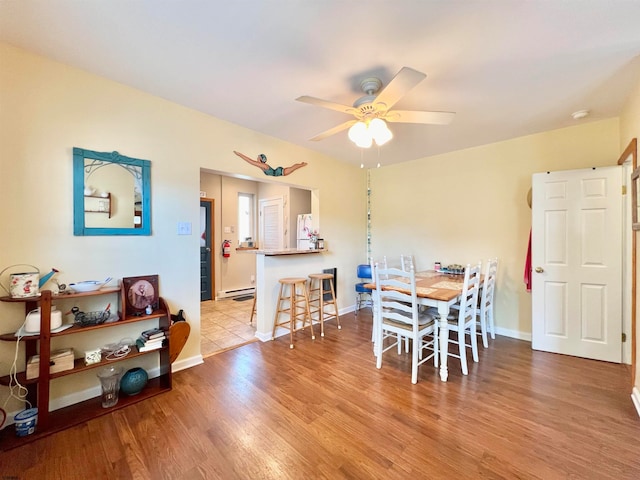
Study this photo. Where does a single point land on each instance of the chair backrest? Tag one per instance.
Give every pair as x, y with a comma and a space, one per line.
469, 298
364, 271
379, 263
406, 262
489, 283
395, 305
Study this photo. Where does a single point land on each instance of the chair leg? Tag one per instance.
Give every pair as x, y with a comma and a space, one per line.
378, 345
253, 308
491, 326
483, 328
463, 352
474, 342
414, 359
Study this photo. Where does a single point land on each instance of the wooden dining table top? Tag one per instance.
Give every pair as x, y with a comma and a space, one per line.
434, 285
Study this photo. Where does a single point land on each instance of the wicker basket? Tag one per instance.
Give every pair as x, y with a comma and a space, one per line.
85, 319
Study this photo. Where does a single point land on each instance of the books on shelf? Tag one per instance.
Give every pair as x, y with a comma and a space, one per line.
151, 340
153, 333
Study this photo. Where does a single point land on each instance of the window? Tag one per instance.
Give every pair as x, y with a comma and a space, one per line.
246, 217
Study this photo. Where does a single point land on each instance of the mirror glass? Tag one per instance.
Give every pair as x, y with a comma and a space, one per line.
112, 194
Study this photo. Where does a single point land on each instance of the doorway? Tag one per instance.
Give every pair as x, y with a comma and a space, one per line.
207, 280
577, 263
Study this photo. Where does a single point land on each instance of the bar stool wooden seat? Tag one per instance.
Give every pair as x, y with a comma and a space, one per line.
317, 301
295, 305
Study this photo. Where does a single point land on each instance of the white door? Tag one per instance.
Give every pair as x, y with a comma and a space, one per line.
577, 263
272, 224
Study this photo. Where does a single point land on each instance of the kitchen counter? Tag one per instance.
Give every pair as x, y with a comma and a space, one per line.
287, 251
272, 265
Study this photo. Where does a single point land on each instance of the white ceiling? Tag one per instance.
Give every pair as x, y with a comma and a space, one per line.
507, 67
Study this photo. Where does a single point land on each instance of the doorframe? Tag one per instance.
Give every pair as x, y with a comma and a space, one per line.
632, 151
212, 203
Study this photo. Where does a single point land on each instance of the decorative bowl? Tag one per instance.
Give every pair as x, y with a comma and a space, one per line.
84, 319
87, 286
134, 381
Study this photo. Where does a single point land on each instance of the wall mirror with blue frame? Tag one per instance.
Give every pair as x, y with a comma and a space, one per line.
111, 194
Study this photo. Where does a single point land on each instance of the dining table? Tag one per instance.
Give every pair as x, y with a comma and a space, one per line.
438, 289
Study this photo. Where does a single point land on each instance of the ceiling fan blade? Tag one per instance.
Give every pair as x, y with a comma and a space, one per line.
408, 116
333, 131
326, 104
405, 80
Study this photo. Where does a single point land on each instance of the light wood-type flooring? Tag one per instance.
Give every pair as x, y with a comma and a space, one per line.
225, 324
323, 411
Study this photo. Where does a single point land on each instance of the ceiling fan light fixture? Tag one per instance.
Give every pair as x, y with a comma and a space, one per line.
381, 134
363, 134
360, 135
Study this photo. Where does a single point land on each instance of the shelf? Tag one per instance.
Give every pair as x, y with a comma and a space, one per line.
62, 296
82, 412
79, 366
38, 389
11, 337
108, 197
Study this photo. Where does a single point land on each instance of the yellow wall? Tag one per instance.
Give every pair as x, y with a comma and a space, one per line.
471, 205
629, 129
47, 108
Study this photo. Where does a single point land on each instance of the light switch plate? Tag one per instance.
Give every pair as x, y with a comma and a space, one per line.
184, 228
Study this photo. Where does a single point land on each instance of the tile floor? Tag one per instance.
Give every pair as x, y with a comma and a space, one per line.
225, 325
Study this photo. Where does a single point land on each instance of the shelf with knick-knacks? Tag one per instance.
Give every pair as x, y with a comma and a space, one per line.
98, 203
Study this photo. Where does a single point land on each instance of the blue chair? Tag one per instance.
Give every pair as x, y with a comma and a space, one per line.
364, 273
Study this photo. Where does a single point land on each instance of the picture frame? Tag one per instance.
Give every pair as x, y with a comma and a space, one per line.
138, 293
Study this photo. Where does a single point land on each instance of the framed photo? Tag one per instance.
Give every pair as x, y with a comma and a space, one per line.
140, 292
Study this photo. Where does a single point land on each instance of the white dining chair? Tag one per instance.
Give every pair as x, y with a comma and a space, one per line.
406, 262
399, 317
485, 307
463, 321
382, 263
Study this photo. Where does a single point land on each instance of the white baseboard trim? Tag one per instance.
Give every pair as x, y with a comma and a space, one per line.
505, 332
186, 363
635, 397
263, 337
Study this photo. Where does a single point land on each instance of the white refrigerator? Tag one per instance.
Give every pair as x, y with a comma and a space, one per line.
305, 225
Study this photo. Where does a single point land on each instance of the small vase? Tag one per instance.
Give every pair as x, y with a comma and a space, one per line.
134, 381
110, 383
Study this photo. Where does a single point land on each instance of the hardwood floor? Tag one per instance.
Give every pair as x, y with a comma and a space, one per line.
323, 411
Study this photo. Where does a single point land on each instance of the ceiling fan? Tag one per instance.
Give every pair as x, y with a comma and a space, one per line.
378, 105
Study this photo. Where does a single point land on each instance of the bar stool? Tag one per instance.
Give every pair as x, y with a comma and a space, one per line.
289, 304
317, 301
253, 308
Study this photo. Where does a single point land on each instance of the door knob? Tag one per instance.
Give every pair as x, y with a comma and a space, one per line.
539, 269
208, 249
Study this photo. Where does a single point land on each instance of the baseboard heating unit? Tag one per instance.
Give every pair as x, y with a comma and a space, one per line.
236, 293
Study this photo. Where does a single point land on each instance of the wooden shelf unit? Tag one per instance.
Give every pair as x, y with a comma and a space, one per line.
100, 197
38, 388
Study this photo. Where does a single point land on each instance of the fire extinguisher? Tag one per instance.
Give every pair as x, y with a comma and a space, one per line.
226, 248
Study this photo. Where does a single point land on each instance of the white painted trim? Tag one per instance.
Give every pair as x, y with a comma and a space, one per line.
635, 397
505, 332
186, 363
